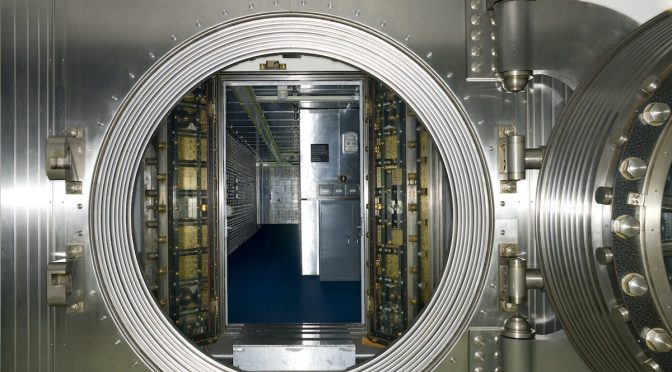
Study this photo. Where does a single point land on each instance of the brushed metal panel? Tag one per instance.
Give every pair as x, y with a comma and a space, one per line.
110, 45
326, 127
340, 244
26, 323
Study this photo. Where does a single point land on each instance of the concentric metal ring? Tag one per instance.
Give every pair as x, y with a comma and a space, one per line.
593, 138
146, 329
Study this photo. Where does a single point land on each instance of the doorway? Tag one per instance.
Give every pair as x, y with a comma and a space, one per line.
300, 258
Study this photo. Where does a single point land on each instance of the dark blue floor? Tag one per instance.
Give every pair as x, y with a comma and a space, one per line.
266, 285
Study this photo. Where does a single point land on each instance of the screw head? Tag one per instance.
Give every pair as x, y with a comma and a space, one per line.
656, 113
625, 226
634, 285
633, 168
657, 339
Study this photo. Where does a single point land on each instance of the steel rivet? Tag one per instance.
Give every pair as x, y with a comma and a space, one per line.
430, 54
131, 75
117, 342
331, 5
100, 123
357, 13
383, 23
114, 98
604, 256
151, 55
407, 38
619, 313
173, 37
604, 195
449, 75
250, 5
225, 12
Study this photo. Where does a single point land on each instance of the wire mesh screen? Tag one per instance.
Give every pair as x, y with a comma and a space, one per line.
279, 198
241, 198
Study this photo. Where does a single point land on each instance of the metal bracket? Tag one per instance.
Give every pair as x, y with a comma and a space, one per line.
59, 282
514, 159
65, 159
515, 278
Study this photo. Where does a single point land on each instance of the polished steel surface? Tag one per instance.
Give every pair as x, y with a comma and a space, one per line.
595, 137
28, 328
321, 177
151, 97
326, 127
52, 79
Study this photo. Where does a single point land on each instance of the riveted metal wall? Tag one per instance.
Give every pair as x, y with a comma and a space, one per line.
241, 196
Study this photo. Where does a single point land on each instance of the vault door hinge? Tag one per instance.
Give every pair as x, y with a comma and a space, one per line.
65, 159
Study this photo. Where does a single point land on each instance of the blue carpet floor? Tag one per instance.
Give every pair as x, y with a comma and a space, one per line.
266, 285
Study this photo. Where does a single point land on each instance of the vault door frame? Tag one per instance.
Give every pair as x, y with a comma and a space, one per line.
255, 79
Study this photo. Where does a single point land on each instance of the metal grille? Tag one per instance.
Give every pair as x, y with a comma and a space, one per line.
279, 195
241, 198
